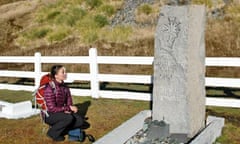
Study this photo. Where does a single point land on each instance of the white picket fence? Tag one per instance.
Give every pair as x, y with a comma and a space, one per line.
94, 77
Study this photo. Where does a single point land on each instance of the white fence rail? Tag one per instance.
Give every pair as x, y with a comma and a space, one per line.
94, 77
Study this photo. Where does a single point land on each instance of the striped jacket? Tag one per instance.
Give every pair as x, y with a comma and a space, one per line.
57, 99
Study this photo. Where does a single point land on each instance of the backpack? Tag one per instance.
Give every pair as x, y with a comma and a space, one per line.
39, 93
79, 135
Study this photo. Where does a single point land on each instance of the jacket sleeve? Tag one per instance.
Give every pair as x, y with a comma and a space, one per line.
50, 99
69, 98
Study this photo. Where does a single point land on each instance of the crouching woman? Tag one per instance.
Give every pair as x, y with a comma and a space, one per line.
62, 115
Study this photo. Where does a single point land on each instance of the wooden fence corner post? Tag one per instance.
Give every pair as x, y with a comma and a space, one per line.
94, 73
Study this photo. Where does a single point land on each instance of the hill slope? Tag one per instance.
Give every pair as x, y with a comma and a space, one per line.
72, 27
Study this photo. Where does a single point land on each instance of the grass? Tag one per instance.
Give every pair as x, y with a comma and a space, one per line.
15, 96
107, 10
78, 18
58, 34
101, 20
147, 14
104, 115
232, 126
93, 3
222, 35
37, 33
208, 3
145, 8
118, 34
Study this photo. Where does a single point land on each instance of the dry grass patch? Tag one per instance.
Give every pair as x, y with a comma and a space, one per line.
104, 115
147, 14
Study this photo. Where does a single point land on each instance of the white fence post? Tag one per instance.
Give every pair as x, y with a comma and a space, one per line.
38, 71
94, 73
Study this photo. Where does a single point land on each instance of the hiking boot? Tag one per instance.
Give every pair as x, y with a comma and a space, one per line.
90, 138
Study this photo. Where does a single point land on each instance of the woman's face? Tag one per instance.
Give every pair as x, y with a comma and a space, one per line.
61, 74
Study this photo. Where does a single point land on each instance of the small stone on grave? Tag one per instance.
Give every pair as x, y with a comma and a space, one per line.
158, 130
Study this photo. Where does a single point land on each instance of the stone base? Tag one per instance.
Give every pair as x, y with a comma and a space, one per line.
128, 129
211, 132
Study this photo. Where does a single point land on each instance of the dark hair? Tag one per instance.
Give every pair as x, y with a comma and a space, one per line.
54, 70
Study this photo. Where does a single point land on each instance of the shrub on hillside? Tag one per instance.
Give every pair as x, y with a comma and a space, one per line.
145, 8
52, 15
89, 36
100, 20
208, 3
36, 33
108, 10
65, 19
71, 17
93, 3
58, 34
117, 34
234, 12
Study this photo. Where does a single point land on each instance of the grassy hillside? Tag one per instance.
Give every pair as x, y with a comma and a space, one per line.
61, 27
84, 20
86, 23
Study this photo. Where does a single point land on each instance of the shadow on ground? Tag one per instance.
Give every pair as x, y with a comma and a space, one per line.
223, 92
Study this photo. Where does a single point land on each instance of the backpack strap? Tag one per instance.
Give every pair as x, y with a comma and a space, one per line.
53, 86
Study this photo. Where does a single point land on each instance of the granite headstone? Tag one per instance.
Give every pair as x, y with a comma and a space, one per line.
179, 69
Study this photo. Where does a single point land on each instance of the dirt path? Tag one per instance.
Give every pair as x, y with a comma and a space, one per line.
17, 9
20, 8
15, 17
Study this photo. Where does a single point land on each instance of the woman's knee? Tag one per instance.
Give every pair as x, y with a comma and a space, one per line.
68, 118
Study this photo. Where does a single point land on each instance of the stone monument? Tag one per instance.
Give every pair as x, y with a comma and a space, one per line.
178, 114
179, 69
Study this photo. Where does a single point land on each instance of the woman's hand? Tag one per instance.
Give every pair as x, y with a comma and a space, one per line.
67, 112
74, 109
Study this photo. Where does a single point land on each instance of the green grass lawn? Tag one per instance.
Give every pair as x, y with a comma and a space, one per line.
104, 115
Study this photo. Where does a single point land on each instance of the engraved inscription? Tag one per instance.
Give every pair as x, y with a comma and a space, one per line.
170, 32
170, 73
